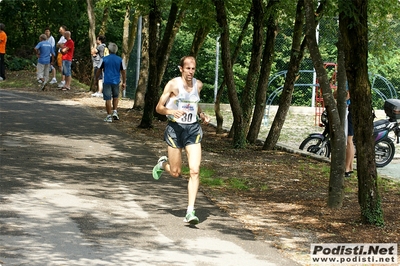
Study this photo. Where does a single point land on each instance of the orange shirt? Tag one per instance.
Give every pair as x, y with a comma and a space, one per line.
3, 41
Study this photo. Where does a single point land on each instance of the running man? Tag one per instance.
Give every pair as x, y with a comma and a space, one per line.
179, 102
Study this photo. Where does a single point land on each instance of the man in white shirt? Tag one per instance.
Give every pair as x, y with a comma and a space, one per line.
51, 40
60, 45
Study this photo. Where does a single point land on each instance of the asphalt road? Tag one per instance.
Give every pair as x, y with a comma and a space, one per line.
74, 191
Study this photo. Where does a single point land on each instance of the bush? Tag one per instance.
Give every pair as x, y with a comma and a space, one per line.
17, 63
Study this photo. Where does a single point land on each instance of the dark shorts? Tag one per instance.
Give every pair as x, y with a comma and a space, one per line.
181, 135
101, 74
350, 128
110, 91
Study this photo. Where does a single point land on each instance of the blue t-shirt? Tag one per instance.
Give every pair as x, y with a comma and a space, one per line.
112, 66
45, 51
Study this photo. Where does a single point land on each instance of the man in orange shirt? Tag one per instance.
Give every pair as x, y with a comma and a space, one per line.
3, 41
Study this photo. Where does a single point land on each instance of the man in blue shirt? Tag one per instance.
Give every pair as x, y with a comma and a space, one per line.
113, 68
45, 54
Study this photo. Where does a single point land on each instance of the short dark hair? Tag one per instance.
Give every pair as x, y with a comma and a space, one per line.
47, 28
102, 38
64, 27
2, 26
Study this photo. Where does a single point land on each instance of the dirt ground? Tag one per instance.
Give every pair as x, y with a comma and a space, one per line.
282, 196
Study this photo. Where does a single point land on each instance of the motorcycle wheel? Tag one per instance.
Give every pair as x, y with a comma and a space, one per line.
316, 146
384, 152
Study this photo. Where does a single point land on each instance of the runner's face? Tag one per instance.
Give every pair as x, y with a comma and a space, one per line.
47, 32
188, 69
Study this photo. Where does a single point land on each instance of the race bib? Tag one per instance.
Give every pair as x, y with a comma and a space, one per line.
190, 109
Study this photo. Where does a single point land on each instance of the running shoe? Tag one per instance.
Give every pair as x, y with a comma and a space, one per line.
157, 171
61, 84
191, 218
115, 115
108, 119
53, 81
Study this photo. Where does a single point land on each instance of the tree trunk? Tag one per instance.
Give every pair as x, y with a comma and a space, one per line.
266, 66
198, 40
158, 55
239, 140
164, 50
151, 96
92, 24
144, 66
103, 27
354, 29
248, 95
336, 180
92, 35
236, 52
296, 56
129, 33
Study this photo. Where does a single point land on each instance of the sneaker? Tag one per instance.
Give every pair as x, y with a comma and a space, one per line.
53, 81
1, 79
61, 84
191, 218
40, 81
157, 171
108, 119
115, 115
100, 95
95, 94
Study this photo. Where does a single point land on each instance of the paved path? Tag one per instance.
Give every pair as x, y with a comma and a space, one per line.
74, 191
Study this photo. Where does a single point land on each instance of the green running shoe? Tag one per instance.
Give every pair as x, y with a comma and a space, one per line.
191, 218
157, 171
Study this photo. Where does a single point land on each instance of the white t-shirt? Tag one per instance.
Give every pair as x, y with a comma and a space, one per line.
61, 41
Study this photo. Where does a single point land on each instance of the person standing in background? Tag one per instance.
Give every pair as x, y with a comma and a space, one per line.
3, 41
67, 55
97, 57
60, 45
52, 42
45, 53
113, 68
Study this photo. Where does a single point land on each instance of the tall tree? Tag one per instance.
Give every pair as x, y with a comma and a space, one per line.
266, 66
144, 66
336, 188
354, 29
159, 52
129, 32
247, 101
152, 87
239, 140
296, 56
238, 48
92, 24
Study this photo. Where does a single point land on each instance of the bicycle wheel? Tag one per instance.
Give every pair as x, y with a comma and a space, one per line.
384, 152
317, 146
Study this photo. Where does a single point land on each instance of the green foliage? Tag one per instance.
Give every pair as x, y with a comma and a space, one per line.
238, 183
18, 63
373, 214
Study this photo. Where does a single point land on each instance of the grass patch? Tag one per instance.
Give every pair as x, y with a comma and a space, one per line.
237, 183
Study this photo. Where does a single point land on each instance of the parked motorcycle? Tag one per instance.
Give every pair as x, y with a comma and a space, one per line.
319, 143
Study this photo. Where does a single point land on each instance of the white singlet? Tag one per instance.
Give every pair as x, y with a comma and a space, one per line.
185, 101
